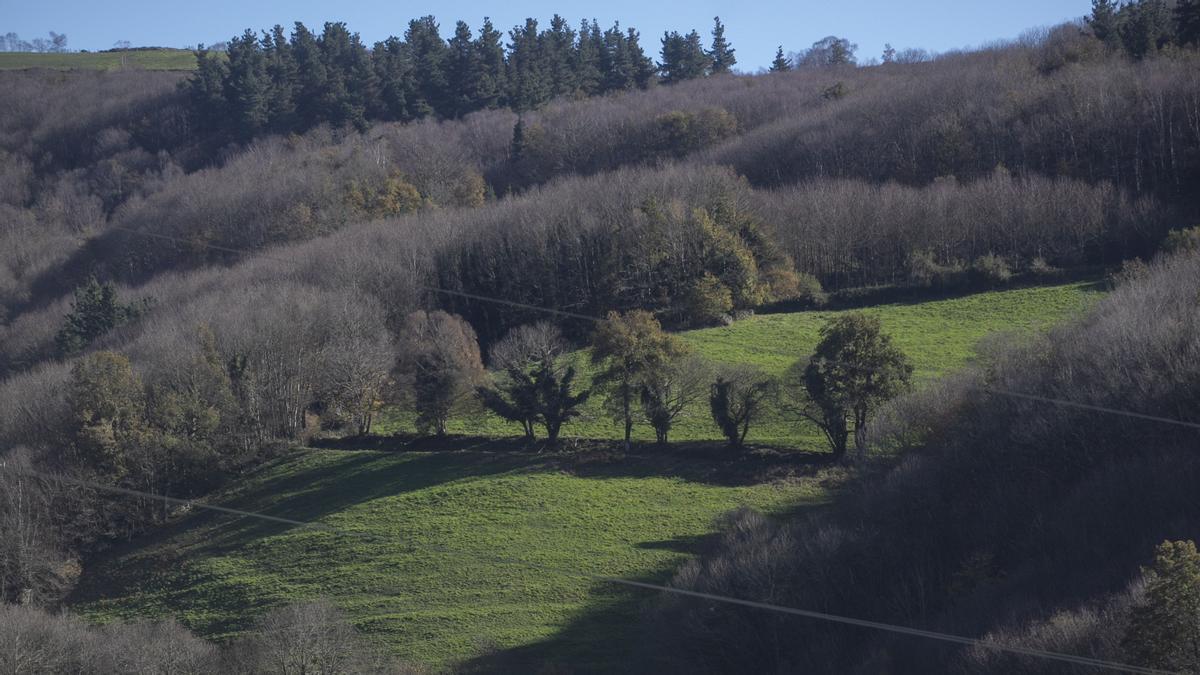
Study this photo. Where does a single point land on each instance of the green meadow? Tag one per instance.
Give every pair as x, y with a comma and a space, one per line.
142, 59
938, 335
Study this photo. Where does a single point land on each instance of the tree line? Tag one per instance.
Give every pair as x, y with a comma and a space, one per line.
55, 44
644, 375
1144, 27
282, 83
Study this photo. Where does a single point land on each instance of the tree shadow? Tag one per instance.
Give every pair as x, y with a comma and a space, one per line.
298, 488
602, 637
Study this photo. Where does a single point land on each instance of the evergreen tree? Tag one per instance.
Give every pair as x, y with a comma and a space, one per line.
1187, 22
94, 312
1105, 22
311, 79
721, 54
780, 64
617, 61
397, 83
429, 54
1145, 27
528, 85
351, 83
206, 92
281, 75
246, 87
589, 78
642, 66
516, 148
671, 57
556, 52
462, 72
889, 53
491, 81
1164, 631
683, 57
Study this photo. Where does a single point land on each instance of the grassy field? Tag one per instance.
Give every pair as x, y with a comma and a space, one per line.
938, 335
144, 59
636, 517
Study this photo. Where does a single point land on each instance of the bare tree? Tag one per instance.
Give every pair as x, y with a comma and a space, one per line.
30, 555
314, 638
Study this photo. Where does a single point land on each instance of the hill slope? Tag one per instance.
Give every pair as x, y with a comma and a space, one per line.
635, 518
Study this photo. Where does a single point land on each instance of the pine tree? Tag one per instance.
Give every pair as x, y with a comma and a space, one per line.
780, 64
1187, 22
397, 84
311, 79
246, 87
206, 92
281, 75
528, 85
889, 53
1105, 22
721, 54
642, 66
516, 149
671, 57
1164, 631
94, 311
617, 61
462, 72
491, 82
589, 78
1145, 27
556, 47
351, 84
337, 105
429, 54
683, 57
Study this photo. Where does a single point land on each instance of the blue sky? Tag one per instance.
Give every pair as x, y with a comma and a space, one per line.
755, 28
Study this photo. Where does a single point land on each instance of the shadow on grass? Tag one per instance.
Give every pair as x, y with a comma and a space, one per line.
305, 495
306, 488
708, 462
873, 296
603, 638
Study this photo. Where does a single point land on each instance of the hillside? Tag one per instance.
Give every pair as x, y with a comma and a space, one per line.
909, 339
135, 59
1026, 523
636, 518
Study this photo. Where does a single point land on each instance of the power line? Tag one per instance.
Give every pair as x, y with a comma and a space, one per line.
1086, 406
712, 597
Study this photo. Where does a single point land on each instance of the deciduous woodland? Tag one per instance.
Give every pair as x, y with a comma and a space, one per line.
202, 273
